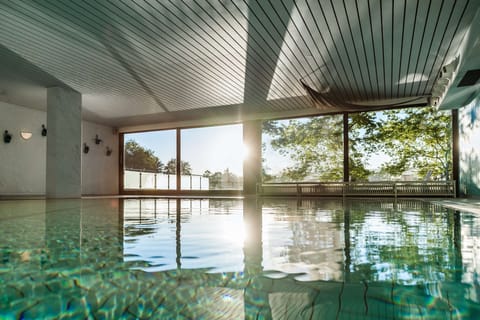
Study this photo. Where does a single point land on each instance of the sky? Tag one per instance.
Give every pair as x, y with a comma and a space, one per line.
211, 148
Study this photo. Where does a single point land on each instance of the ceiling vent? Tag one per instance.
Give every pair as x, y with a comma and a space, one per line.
470, 78
443, 82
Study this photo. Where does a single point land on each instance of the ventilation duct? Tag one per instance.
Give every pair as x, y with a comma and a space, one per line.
330, 103
470, 78
444, 81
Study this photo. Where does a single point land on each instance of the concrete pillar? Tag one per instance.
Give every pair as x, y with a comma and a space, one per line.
64, 122
252, 164
252, 247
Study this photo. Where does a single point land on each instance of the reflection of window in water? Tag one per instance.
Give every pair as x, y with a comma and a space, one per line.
249, 257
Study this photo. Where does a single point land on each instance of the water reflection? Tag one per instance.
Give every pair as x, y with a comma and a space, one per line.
231, 259
373, 252
189, 234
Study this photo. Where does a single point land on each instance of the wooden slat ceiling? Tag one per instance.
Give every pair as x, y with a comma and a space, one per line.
136, 59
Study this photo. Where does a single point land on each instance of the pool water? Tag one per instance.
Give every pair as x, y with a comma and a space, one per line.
237, 259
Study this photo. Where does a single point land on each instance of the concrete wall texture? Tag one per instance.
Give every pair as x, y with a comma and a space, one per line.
23, 162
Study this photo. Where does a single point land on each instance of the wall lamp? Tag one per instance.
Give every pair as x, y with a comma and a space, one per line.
86, 148
7, 137
44, 131
109, 151
25, 135
97, 139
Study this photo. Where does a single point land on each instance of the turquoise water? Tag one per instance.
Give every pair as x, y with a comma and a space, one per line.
237, 259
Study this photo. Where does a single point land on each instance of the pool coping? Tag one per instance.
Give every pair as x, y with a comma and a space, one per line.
470, 205
462, 204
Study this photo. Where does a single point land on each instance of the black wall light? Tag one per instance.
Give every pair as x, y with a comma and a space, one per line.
97, 139
109, 151
7, 137
86, 148
44, 131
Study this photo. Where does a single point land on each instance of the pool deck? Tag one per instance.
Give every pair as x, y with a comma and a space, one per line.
461, 204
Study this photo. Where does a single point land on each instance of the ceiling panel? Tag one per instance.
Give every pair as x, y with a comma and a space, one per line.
135, 58
359, 51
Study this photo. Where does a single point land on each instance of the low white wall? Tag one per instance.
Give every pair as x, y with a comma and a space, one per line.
23, 162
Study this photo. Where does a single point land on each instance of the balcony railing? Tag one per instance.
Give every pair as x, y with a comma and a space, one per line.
361, 189
141, 180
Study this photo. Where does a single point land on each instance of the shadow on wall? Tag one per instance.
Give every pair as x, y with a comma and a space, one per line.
470, 149
469, 174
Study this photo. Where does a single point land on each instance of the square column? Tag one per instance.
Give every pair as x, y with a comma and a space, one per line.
64, 122
252, 165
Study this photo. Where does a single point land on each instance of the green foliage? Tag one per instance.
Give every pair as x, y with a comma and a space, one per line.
415, 138
219, 180
140, 158
361, 145
314, 145
171, 167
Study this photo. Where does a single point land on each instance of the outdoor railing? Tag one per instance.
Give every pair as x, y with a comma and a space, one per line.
382, 188
141, 180
144, 180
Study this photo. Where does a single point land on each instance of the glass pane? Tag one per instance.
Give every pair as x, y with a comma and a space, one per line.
212, 158
150, 160
413, 144
305, 149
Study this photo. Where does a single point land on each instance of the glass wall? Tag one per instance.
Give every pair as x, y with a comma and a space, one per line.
149, 160
212, 158
303, 149
413, 144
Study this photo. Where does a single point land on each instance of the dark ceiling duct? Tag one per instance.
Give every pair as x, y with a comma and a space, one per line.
470, 78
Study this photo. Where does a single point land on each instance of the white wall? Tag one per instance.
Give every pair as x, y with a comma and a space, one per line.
23, 162
99, 171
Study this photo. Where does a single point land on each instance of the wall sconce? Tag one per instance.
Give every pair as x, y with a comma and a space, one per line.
86, 148
109, 151
44, 131
25, 135
97, 139
7, 137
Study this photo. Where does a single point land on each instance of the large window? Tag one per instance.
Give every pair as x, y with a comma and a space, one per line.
404, 144
150, 160
304, 149
212, 158
413, 144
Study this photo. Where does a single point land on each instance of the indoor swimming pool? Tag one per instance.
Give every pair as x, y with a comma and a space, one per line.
177, 258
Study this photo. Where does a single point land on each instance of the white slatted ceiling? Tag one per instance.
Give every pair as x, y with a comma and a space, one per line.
136, 57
